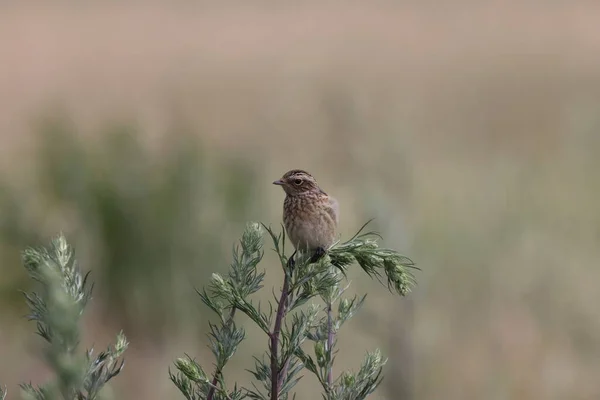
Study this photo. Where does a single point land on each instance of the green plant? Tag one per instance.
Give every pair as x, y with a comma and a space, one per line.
57, 308
291, 322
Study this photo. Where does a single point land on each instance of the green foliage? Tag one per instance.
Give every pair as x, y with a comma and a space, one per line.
57, 308
224, 297
287, 324
364, 249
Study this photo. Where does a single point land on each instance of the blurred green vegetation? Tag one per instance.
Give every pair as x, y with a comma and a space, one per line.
153, 223
470, 132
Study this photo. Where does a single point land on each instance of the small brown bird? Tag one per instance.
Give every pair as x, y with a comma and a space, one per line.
310, 215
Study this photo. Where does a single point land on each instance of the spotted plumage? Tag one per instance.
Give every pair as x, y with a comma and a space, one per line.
310, 215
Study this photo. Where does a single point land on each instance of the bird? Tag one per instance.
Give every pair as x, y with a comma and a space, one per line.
310, 216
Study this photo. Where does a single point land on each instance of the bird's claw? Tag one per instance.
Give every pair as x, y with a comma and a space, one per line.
319, 252
291, 262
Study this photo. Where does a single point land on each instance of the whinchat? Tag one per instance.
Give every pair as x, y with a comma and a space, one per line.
310, 215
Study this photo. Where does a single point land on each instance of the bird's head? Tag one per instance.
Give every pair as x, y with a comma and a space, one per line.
296, 182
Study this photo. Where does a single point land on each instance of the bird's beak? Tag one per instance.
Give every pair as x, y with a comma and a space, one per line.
278, 182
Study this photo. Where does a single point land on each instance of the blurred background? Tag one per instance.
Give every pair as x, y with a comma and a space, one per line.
150, 132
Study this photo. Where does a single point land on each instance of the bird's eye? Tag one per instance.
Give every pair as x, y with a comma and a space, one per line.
298, 181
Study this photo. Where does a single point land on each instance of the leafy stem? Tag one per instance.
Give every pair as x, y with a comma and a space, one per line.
291, 319
219, 369
330, 336
57, 308
274, 335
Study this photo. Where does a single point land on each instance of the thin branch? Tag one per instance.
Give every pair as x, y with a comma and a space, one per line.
281, 310
284, 368
214, 387
219, 371
361, 229
330, 336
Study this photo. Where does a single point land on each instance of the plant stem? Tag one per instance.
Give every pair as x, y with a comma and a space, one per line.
218, 371
220, 390
274, 336
330, 335
286, 364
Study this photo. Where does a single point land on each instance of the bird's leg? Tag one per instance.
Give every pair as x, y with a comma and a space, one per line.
319, 252
291, 262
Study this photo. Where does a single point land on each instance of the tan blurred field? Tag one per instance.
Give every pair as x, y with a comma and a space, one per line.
469, 130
